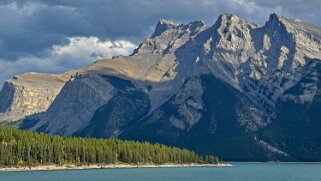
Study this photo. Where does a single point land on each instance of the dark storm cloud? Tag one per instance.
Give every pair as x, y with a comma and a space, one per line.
31, 27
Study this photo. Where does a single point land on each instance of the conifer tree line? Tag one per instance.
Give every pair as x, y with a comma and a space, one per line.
25, 148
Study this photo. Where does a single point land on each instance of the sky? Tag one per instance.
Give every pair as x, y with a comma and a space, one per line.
59, 35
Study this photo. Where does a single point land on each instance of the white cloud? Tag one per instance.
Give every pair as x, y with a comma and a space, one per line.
87, 46
79, 52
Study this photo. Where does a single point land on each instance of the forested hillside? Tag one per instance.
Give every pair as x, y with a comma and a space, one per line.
24, 148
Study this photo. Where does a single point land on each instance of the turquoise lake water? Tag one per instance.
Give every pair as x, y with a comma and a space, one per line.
240, 171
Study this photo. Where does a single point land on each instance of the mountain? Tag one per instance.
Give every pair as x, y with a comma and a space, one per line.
234, 89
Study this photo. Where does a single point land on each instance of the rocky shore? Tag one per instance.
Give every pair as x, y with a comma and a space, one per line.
82, 167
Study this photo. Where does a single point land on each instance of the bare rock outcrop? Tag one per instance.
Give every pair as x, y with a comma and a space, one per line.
28, 94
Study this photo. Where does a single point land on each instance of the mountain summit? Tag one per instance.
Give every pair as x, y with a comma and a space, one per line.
234, 89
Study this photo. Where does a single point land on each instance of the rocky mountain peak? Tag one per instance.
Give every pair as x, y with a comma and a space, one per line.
227, 17
230, 20
162, 26
278, 23
275, 19
168, 36
231, 34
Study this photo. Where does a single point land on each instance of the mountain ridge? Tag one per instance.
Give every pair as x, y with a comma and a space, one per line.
160, 93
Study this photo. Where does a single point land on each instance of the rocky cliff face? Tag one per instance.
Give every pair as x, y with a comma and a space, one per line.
28, 94
228, 89
75, 105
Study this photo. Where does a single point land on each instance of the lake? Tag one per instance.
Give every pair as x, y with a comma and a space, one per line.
240, 171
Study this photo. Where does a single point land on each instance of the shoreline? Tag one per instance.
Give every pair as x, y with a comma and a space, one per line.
111, 166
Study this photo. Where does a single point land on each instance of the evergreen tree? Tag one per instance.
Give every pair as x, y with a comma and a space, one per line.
22, 148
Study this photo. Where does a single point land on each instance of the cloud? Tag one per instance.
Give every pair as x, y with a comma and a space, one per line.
77, 53
92, 48
31, 27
